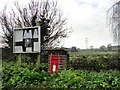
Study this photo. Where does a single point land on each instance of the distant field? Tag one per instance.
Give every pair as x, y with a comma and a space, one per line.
91, 53
94, 60
94, 54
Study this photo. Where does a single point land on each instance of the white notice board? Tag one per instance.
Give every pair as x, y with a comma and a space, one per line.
26, 40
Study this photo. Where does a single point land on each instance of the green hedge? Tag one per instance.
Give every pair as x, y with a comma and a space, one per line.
29, 77
24, 76
87, 79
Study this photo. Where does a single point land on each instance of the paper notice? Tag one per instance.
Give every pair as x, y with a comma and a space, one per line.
28, 49
18, 49
35, 35
18, 36
36, 46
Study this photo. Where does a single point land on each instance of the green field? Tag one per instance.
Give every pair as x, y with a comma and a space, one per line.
86, 70
91, 53
94, 60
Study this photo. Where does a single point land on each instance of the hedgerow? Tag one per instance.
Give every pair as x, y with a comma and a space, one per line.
80, 74
25, 77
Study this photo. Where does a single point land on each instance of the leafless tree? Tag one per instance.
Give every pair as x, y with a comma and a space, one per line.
46, 12
113, 16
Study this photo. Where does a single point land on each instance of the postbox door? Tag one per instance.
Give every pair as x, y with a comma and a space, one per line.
54, 64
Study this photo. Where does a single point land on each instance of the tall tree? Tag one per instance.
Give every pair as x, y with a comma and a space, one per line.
102, 48
109, 47
91, 47
47, 13
114, 21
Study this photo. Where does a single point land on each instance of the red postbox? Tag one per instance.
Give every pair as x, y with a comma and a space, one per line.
57, 60
54, 64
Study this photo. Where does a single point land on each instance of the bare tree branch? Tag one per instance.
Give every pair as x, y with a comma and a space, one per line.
46, 12
113, 16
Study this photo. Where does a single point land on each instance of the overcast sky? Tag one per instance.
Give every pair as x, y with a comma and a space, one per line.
87, 19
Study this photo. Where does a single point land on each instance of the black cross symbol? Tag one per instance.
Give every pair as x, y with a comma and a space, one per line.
24, 41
